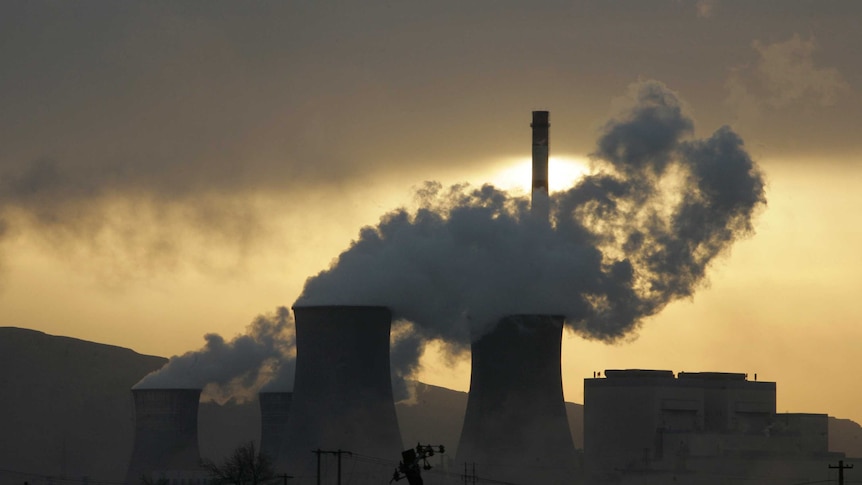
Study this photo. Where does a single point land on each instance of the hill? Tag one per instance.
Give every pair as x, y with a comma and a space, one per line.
66, 411
845, 435
65, 407
435, 414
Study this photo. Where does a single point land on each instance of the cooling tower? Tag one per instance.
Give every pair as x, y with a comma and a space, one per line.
342, 395
166, 433
274, 411
515, 427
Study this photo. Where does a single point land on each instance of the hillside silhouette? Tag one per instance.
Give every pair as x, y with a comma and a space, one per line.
65, 408
66, 411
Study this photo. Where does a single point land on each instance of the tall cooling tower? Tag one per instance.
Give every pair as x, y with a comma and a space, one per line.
342, 395
166, 433
515, 427
274, 411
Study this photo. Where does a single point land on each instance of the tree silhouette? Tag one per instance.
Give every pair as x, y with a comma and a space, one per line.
245, 466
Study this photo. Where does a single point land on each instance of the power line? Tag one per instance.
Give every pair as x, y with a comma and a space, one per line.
337, 453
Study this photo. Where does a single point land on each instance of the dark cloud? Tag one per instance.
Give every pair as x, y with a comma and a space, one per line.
784, 79
179, 107
137, 136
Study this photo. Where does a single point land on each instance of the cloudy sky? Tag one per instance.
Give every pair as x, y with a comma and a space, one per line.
170, 169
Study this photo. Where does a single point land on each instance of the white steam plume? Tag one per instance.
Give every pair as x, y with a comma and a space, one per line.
236, 369
636, 234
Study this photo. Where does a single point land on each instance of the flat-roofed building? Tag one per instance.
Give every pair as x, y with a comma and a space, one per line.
640, 423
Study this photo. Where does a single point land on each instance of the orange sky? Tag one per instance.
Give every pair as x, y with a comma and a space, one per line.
170, 172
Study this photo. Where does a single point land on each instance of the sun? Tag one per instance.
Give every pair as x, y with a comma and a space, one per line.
563, 172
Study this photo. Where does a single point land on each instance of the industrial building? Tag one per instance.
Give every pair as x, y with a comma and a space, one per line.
651, 426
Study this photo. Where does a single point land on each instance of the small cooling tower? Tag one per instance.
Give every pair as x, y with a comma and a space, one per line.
342, 395
515, 427
274, 410
166, 433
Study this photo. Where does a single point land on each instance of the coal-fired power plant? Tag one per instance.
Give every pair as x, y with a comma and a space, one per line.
342, 395
166, 434
274, 411
515, 427
540, 202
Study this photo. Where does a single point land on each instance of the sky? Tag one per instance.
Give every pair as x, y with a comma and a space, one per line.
173, 169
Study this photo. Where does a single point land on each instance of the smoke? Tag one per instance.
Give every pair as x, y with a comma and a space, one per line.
636, 234
263, 359
406, 346
237, 369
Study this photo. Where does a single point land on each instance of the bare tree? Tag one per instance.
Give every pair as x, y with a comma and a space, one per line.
245, 466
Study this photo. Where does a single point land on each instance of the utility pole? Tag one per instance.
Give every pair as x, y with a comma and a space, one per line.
841, 467
471, 478
317, 452
337, 453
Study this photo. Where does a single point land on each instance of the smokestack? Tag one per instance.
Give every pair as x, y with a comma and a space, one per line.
274, 412
539, 204
515, 427
166, 433
342, 395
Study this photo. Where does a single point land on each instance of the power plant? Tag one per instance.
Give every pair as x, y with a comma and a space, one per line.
515, 425
641, 426
166, 434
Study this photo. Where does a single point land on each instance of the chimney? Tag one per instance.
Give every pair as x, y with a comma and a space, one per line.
539, 204
515, 427
274, 411
166, 433
342, 395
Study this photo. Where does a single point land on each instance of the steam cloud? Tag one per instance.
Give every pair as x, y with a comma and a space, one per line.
238, 369
626, 240
263, 359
